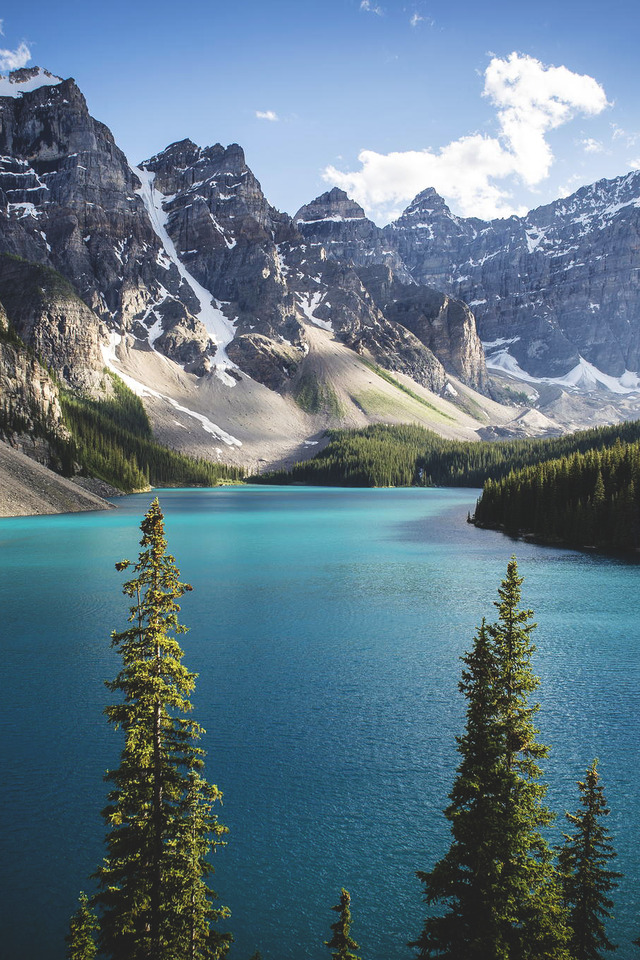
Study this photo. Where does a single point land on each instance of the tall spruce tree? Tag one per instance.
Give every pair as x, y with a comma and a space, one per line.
343, 945
588, 879
529, 892
154, 899
497, 882
467, 876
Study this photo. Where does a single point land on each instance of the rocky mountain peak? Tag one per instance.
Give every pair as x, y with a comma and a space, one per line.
554, 292
181, 153
332, 205
184, 164
25, 80
427, 205
340, 226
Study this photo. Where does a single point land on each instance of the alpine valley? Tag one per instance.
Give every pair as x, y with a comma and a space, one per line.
247, 332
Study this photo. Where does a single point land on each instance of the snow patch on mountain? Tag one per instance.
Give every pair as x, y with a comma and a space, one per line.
584, 376
109, 353
308, 304
220, 328
26, 80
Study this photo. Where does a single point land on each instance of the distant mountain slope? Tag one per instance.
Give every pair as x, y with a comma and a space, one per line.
553, 292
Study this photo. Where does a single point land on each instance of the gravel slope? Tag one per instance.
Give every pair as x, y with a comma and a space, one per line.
28, 488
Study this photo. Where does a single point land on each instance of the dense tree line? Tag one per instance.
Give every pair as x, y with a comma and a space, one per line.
501, 891
583, 500
114, 442
406, 455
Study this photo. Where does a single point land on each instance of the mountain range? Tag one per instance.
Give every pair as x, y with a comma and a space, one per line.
247, 332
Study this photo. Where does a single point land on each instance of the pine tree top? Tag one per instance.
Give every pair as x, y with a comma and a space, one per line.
341, 943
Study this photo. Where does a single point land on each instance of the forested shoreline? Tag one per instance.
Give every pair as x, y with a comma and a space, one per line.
410, 455
585, 500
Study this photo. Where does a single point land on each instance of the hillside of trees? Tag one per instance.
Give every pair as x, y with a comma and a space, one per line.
586, 499
113, 441
405, 455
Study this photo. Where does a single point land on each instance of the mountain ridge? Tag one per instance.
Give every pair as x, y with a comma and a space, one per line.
220, 311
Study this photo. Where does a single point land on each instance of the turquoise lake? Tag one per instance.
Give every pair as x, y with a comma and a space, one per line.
326, 627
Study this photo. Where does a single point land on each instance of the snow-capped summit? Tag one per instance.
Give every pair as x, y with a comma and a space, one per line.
25, 80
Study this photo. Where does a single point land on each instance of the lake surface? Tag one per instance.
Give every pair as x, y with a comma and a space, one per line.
326, 627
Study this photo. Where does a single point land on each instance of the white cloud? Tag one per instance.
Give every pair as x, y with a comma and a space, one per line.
369, 7
592, 146
629, 137
531, 99
267, 115
1, 28
635, 164
418, 18
15, 59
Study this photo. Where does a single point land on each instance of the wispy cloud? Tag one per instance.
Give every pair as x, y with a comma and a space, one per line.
530, 99
267, 115
15, 59
1, 28
369, 7
629, 137
571, 185
418, 18
592, 146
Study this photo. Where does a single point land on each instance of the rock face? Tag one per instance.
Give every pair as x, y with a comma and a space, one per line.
443, 324
227, 234
330, 294
69, 200
30, 413
184, 254
546, 289
53, 321
337, 226
340, 226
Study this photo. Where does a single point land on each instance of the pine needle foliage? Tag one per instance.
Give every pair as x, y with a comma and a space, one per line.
529, 883
153, 894
587, 876
81, 943
342, 944
497, 886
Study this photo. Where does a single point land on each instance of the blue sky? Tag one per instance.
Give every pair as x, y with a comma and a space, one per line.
382, 98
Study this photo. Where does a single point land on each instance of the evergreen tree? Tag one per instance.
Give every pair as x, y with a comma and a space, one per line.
341, 943
467, 876
587, 878
82, 929
154, 898
528, 894
497, 882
